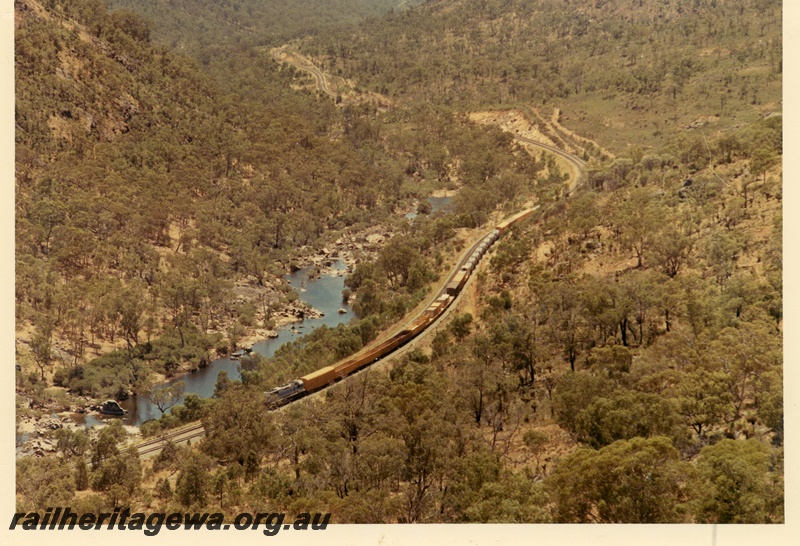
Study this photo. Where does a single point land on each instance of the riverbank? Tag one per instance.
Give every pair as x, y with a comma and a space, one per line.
36, 436
278, 310
337, 259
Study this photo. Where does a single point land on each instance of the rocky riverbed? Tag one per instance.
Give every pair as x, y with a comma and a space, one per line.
273, 312
36, 436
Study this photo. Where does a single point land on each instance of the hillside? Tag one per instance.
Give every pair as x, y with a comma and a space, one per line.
201, 27
620, 71
146, 194
616, 357
157, 211
636, 327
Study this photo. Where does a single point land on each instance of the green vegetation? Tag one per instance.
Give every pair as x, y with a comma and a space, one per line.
617, 358
145, 189
205, 27
621, 72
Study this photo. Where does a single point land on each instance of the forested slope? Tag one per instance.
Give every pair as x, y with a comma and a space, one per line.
619, 70
202, 25
143, 190
147, 188
617, 358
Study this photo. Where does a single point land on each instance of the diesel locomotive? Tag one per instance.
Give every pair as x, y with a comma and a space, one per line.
328, 375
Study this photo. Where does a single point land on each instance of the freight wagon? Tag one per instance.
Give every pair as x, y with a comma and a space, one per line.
330, 374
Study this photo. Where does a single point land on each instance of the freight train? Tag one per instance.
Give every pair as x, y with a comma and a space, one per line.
336, 372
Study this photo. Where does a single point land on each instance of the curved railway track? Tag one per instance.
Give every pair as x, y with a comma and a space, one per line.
577, 164
196, 430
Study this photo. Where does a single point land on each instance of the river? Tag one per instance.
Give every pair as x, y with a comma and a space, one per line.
437, 204
323, 294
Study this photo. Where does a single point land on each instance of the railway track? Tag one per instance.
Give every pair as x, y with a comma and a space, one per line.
195, 430
577, 164
153, 446
179, 436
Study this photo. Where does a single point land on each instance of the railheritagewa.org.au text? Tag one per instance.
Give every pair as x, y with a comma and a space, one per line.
269, 523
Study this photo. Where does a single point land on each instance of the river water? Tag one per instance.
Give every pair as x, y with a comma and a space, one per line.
437, 204
323, 294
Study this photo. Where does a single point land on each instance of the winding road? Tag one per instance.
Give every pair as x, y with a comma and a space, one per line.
281, 56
